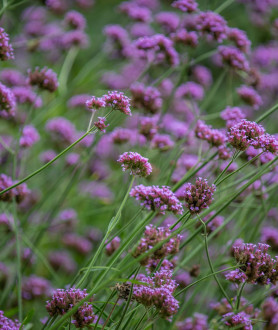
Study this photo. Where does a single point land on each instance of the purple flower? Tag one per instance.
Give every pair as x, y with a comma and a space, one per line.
8, 324
270, 313
34, 287
212, 25
267, 142
118, 40
213, 136
197, 322
157, 199
100, 124
113, 246
64, 300
29, 136
187, 38
7, 102
191, 90
224, 153
233, 58
148, 98
163, 142
72, 159
270, 237
242, 134
187, 6
78, 243
148, 127
57, 6
137, 164
79, 100
19, 193
95, 103
233, 320
168, 20
250, 96
47, 156
62, 261
25, 95
240, 39
202, 75
183, 279
118, 101
198, 196
152, 236
12, 77
232, 115
75, 20
77, 38
6, 49
62, 130
236, 276
135, 12
43, 78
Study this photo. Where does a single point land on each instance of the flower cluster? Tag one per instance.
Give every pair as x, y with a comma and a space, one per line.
19, 192
148, 127
187, 6
270, 312
137, 164
250, 96
7, 102
256, 264
100, 124
157, 199
198, 196
267, 142
153, 236
191, 90
43, 78
240, 39
233, 58
64, 300
213, 136
117, 101
113, 246
240, 320
8, 324
158, 292
75, 20
197, 322
232, 116
163, 142
35, 287
212, 25
6, 49
244, 133
29, 136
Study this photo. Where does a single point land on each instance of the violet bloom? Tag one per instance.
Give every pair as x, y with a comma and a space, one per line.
8, 324
29, 136
12, 77
6, 222
100, 124
80, 244
187, 6
158, 293
63, 301
74, 38
7, 102
34, 287
212, 25
202, 75
79, 100
6, 49
242, 134
224, 152
236, 276
183, 279
57, 6
138, 30
118, 101
256, 263
197, 322
62, 261
233, 58
178, 128
232, 116
157, 199
191, 90
18, 193
25, 95
137, 164
47, 156
135, 12
213, 136
250, 96
240, 39
72, 159
118, 40
152, 236
4, 276
121, 135
198, 196
270, 313
267, 142
163, 142
113, 246
168, 20
43, 78
146, 97
240, 320
187, 38
148, 127
75, 20
270, 236
62, 131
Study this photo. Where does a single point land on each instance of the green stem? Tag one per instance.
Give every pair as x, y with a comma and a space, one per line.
239, 296
223, 6
66, 68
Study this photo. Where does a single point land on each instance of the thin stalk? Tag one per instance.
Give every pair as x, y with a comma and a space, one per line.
210, 263
239, 296
110, 314
236, 154
223, 6
141, 320
66, 68
103, 308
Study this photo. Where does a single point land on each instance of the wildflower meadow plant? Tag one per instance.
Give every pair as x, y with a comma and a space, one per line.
139, 175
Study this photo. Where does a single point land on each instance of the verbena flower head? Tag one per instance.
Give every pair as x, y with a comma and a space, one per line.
43, 78
163, 142
135, 12
158, 293
7, 102
202, 75
212, 25
213, 136
240, 320
269, 313
233, 58
256, 263
64, 300
148, 127
6, 49
197, 322
187, 6
29, 136
153, 236
62, 261
188, 38
198, 196
224, 153
61, 129
118, 101
242, 134
113, 246
19, 193
168, 20
236, 276
12, 77
267, 142
100, 124
77, 243
157, 199
78, 100
25, 95
250, 96
95, 103
137, 164
75, 20
240, 39
34, 287
8, 324
191, 90
232, 116
74, 38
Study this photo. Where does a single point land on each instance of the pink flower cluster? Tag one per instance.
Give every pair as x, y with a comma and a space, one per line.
157, 292
113, 246
152, 236
157, 199
134, 162
8, 324
43, 78
191, 90
19, 193
250, 96
100, 124
232, 116
187, 6
212, 25
29, 136
6, 49
198, 196
240, 321
233, 58
213, 136
64, 300
7, 102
